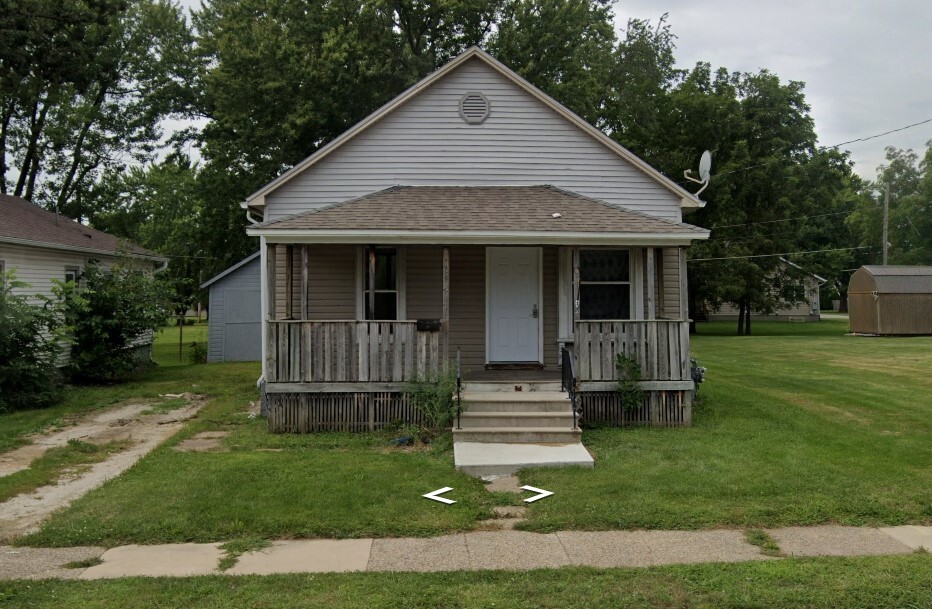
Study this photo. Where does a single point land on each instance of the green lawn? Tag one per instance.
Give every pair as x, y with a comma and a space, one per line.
860, 583
799, 424
165, 347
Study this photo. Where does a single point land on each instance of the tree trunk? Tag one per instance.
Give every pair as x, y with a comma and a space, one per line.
4, 127
741, 319
76, 154
31, 160
747, 320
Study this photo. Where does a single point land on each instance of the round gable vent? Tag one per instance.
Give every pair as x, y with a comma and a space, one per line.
474, 107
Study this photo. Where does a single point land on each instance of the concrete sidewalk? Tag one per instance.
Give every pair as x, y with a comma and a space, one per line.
506, 550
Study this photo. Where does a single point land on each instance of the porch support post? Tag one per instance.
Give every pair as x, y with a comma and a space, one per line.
371, 303
684, 285
289, 282
304, 296
651, 276
270, 255
575, 288
445, 311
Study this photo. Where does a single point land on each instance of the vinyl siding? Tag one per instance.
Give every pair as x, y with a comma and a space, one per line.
670, 274
549, 308
331, 282
247, 277
425, 142
801, 310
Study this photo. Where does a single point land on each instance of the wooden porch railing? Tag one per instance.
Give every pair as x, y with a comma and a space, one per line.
349, 351
661, 348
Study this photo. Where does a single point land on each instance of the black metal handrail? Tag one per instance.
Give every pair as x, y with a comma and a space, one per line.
568, 381
459, 385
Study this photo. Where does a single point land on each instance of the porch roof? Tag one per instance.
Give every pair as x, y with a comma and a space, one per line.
477, 214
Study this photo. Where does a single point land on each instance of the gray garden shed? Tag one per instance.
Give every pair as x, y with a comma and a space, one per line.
891, 300
235, 322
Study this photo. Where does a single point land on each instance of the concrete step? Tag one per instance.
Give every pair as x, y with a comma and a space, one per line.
518, 435
557, 420
503, 459
541, 401
511, 386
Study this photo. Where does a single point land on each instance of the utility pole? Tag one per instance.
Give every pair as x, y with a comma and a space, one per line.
886, 221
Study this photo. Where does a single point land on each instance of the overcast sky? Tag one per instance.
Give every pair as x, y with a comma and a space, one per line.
867, 65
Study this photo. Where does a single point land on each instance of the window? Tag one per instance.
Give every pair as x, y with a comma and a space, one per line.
71, 273
386, 284
604, 284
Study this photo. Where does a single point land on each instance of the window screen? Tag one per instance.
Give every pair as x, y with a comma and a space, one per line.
604, 284
386, 284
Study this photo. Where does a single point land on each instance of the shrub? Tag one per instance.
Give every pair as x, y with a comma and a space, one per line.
112, 309
29, 349
629, 373
197, 354
433, 397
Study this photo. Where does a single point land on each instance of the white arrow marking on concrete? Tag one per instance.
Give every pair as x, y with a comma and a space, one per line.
534, 489
434, 495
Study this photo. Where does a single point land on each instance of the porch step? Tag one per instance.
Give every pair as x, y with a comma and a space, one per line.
483, 420
517, 401
508, 435
511, 386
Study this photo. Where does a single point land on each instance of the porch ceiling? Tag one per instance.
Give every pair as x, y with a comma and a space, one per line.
477, 214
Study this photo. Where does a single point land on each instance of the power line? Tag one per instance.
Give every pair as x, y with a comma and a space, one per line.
837, 213
860, 139
837, 249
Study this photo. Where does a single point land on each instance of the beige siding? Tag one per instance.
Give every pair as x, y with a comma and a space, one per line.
425, 281
905, 313
467, 305
331, 282
670, 271
800, 310
38, 267
425, 142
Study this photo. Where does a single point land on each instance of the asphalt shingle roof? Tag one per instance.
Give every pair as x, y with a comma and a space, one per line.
480, 208
902, 279
20, 219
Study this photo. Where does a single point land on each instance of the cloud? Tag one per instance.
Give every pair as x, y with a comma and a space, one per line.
865, 64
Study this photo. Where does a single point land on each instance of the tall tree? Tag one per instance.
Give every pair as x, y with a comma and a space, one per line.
84, 85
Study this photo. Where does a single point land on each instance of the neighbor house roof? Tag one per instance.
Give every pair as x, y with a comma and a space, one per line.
901, 279
25, 223
688, 200
478, 214
232, 269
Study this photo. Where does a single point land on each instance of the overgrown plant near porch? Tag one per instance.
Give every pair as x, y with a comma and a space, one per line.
629, 373
432, 395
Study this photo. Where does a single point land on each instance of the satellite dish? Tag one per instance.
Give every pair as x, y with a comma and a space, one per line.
705, 167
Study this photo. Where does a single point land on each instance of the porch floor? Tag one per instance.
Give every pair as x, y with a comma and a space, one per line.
548, 374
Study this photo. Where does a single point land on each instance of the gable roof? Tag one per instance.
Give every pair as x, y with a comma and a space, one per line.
901, 279
25, 223
478, 214
688, 200
230, 270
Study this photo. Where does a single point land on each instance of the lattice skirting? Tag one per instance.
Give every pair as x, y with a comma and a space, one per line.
660, 409
356, 411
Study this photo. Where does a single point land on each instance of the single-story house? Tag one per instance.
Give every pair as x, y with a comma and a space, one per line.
234, 327
42, 246
893, 300
473, 224
808, 309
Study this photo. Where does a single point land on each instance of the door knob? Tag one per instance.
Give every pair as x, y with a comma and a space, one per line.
534, 312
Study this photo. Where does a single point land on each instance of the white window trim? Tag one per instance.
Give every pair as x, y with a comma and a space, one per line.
71, 268
402, 282
635, 279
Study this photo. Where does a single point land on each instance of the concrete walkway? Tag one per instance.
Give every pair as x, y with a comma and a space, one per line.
506, 550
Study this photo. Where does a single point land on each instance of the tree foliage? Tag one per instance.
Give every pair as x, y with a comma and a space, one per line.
114, 308
30, 334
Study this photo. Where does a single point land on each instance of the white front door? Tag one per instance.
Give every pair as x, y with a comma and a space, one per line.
513, 326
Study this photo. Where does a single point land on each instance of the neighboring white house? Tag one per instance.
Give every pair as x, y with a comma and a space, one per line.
805, 310
41, 246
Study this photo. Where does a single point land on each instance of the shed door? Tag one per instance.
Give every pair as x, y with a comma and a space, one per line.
242, 331
514, 305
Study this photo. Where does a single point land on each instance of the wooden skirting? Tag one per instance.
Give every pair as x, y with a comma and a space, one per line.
660, 409
356, 411
367, 411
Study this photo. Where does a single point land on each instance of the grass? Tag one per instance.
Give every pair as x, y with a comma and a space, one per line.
797, 425
232, 550
767, 544
74, 457
85, 563
165, 346
856, 583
